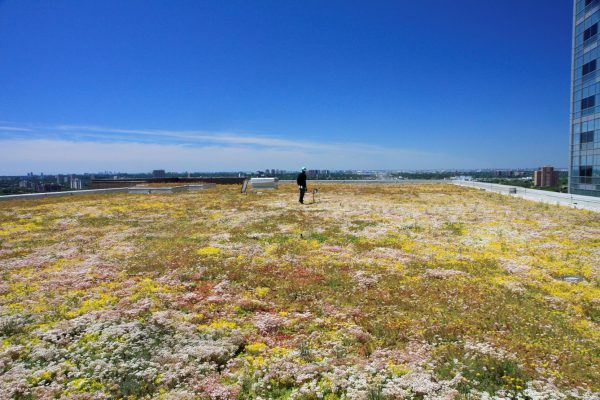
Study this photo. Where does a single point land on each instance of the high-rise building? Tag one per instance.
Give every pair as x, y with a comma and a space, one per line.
545, 177
584, 152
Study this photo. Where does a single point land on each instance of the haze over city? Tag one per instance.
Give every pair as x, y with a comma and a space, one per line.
91, 86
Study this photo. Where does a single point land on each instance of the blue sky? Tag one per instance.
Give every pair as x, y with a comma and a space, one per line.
242, 85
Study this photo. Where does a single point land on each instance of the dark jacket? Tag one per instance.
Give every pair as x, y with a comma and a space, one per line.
301, 179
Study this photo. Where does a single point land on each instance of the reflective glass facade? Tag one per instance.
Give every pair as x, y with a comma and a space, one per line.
584, 171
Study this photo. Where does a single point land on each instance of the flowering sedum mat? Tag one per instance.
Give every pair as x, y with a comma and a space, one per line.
374, 292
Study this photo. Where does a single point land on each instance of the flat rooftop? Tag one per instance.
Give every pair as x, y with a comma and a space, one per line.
371, 292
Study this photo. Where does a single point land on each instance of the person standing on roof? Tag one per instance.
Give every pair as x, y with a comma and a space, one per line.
301, 181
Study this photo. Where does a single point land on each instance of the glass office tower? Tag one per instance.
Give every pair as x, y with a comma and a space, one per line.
584, 160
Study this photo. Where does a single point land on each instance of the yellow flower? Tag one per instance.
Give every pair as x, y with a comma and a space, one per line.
261, 291
280, 351
218, 324
398, 370
256, 348
209, 251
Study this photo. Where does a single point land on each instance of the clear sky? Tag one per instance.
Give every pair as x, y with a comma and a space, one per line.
133, 86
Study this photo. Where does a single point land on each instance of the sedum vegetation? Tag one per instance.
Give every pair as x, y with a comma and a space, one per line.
375, 292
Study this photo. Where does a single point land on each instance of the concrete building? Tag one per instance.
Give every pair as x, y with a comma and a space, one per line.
584, 152
545, 177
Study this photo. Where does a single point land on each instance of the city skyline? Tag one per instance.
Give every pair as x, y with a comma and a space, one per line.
211, 86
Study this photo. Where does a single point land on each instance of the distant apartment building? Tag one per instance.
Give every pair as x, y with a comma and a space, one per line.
501, 173
584, 152
75, 183
158, 173
509, 173
273, 171
545, 177
317, 173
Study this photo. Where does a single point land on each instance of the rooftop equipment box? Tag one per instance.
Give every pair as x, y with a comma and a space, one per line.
264, 183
